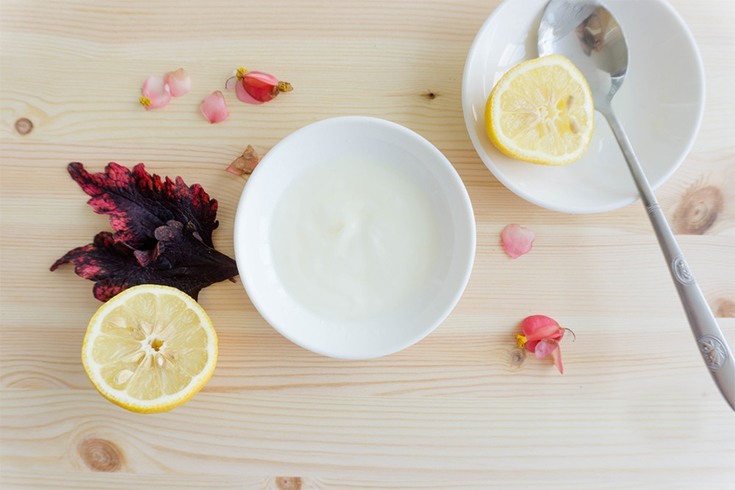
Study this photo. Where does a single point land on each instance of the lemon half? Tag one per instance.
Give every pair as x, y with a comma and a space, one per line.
150, 348
541, 111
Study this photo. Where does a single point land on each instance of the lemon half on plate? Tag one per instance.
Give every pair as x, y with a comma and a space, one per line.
150, 348
541, 111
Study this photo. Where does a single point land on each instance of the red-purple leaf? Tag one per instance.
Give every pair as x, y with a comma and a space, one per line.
163, 233
138, 202
179, 260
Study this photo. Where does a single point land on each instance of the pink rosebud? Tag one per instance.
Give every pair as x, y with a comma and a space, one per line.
256, 87
517, 240
154, 93
179, 82
214, 107
541, 335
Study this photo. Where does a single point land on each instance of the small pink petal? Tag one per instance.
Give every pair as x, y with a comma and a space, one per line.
214, 107
537, 327
179, 82
545, 347
154, 93
265, 78
243, 94
517, 240
556, 356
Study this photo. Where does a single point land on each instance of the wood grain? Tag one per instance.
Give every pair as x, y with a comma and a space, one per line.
463, 408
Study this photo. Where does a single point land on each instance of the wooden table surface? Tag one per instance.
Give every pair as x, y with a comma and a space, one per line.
461, 409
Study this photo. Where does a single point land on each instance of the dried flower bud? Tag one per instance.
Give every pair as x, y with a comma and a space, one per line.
541, 336
256, 87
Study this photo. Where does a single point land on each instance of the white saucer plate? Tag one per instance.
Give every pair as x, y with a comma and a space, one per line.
660, 105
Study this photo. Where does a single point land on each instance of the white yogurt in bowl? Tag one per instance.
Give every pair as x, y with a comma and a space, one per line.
354, 237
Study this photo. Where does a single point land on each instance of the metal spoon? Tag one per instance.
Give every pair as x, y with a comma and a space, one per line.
586, 32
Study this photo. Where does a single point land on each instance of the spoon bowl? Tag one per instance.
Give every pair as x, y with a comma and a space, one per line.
592, 39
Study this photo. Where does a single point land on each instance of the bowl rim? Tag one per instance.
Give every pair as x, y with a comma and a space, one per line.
469, 249
614, 205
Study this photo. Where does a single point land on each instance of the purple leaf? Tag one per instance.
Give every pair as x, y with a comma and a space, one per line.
162, 233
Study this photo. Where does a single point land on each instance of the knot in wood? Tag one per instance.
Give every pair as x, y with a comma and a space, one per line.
517, 356
698, 210
288, 483
100, 454
23, 126
725, 308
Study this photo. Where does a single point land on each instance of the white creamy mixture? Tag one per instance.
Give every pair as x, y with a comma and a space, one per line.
352, 239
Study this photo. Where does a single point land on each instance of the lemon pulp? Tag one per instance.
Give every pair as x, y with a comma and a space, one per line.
150, 348
541, 111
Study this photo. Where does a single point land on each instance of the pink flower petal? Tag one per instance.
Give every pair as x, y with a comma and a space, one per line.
537, 327
517, 240
261, 86
179, 82
243, 94
550, 347
154, 93
214, 107
545, 347
531, 345
266, 79
556, 356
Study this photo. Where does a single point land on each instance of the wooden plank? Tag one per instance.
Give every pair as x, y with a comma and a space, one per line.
461, 409
371, 438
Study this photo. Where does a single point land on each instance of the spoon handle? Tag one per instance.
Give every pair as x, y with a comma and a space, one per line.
712, 344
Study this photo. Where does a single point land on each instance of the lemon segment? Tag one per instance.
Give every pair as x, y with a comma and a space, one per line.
541, 111
150, 348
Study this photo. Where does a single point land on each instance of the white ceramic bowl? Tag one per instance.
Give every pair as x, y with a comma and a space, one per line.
660, 105
372, 140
